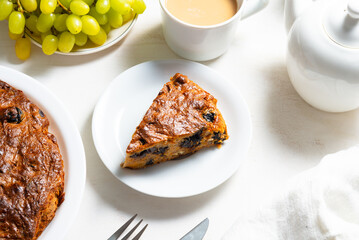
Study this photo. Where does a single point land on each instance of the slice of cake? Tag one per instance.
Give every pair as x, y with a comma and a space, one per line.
182, 119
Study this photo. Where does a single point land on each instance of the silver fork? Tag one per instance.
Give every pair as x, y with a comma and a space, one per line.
123, 228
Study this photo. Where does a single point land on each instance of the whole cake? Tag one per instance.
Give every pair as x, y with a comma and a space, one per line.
182, 119
31, 167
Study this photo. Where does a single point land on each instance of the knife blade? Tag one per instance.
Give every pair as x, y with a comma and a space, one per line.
198, 232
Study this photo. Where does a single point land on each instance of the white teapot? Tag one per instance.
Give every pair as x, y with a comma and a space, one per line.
323, 52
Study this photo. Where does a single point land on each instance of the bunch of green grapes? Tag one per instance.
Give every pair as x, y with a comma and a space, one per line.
62, 24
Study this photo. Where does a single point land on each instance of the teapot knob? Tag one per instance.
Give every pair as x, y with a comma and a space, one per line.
353, 8
341, 23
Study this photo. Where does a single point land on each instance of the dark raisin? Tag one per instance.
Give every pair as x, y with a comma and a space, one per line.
218, 137
152, 150
160, 150
192, 141
179, 79
41, 113
209, 116
12, 115
140, 154
156, 150
143, 141
186, 143
168, 88
149, 162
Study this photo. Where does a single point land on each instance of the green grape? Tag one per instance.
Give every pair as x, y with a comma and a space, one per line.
103, 6
29, 5
127, 17
99, 38
89, 25
79, 7
101, 18
45, 22
80, 39
89, 2
16, 22
74, 24
66, 42
6, 8
49, 44
15, 36
60, 22
138, 6
120, 6
23, 48
48, 6
114, 18
30, 23
107, 27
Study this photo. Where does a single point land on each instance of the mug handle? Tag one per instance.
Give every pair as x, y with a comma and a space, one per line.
253, 6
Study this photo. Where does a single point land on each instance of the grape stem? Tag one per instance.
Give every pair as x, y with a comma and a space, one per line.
61, 5
20, 6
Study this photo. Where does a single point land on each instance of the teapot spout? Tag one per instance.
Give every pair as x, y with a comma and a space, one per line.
293, 9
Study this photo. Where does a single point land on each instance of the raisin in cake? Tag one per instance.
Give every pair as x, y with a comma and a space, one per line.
182, 119
31, 167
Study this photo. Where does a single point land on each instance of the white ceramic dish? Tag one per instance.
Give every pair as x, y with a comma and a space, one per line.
72, 150
323, 52
114, 36
122, 106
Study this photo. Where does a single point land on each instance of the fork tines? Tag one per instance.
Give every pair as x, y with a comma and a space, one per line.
124, 227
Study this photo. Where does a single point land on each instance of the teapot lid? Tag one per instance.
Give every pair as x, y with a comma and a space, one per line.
341, 22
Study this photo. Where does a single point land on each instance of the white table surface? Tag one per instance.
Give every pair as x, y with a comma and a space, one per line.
289, 136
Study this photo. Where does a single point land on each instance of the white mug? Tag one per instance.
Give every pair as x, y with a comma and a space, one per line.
202, 43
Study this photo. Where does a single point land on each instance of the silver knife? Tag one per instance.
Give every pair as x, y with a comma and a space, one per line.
198, 232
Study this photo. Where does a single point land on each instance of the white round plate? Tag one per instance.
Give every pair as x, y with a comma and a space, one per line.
113, 37
127, 98
70, 143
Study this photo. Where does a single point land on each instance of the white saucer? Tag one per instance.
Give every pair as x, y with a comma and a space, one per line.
122, 107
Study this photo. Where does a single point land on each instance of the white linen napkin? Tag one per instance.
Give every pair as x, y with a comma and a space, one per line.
321, 203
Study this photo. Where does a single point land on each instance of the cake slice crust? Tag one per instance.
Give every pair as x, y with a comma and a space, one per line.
182, 119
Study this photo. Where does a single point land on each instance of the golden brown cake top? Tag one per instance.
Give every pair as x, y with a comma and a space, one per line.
180, 108
31, 167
